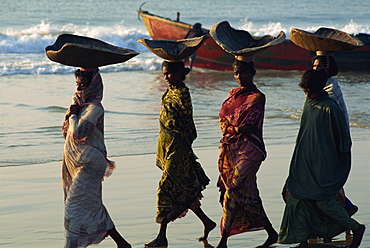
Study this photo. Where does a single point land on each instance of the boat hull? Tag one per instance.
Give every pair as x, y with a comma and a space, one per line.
284, 56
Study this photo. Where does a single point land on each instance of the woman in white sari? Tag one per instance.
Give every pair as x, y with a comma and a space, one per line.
85, 164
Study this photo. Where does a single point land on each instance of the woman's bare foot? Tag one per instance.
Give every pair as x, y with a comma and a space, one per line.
207, 229
158, 242
120, 241
222, 243
271, 239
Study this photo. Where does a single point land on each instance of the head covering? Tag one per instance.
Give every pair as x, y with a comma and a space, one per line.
241, 42
329, 64
93, 94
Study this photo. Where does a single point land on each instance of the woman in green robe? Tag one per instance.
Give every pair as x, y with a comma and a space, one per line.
183, 178
319, 168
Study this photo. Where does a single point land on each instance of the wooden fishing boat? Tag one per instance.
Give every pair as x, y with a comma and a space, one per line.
285, 56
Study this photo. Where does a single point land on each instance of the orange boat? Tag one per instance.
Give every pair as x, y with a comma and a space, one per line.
285, 56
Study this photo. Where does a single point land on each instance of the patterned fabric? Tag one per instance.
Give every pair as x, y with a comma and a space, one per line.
333, 89
86, 220
239, 160
243, 107
93, 94
183, 178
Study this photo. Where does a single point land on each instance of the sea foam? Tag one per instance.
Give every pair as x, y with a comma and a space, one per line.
36, 38
23, 51
273, 28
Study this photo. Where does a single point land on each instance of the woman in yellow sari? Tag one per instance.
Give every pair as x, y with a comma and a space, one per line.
183, 178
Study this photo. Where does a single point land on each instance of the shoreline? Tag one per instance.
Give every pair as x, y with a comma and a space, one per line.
32, 203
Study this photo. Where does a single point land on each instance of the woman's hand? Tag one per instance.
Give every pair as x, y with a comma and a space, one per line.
73, 109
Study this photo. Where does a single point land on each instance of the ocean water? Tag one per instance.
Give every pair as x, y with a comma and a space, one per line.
35, 92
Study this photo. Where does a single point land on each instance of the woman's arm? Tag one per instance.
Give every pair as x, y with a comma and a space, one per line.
73, 109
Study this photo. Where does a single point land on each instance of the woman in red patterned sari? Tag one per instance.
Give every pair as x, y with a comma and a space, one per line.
242, 152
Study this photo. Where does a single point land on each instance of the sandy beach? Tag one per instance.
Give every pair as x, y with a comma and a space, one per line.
32, 200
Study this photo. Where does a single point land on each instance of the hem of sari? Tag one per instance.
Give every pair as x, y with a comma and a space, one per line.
305, 219
74, 240
234, 232
193, 205
259, 219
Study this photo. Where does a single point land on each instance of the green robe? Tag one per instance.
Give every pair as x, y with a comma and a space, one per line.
319, 168
183, 178
321, 160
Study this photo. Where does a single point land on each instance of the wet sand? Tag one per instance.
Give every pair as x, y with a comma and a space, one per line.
32, 200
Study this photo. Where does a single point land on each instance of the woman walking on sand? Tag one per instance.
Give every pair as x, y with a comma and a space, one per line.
85, 164
183, 178
242, 149
320, 166
242, 152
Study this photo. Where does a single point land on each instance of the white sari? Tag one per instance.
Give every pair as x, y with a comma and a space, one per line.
86, 220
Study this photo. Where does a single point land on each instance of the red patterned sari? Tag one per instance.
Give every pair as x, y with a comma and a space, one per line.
239, 160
